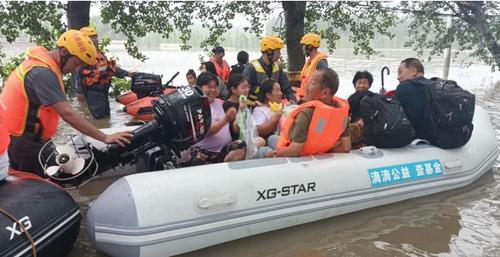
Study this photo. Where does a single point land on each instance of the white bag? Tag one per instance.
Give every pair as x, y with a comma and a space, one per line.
248, 131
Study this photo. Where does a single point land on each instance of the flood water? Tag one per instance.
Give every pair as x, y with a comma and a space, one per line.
462, 222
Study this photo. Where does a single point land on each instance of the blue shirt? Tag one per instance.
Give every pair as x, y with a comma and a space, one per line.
412, 98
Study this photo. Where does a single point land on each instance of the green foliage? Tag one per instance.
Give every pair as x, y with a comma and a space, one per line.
136, 19
40, 21
359, 21
103, 47
201, 58
468, 33
283, 63
7, 67
119, 86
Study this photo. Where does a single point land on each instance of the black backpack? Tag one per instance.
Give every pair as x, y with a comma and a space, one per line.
448, 113
386, 123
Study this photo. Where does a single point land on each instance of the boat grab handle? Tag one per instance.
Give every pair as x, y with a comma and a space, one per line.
417, 141
368, 150
454, 164
218, 201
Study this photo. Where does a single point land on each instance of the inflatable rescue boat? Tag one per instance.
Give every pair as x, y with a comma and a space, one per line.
146, 88
36, 216
170, 212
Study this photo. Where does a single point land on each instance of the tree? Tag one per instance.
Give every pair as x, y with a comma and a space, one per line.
41, 21
475, 28
362, 19
78, 14
134, 19
294, 30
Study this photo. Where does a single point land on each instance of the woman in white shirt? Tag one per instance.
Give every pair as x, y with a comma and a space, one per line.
267, 121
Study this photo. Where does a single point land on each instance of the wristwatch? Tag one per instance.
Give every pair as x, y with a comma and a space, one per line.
275, 154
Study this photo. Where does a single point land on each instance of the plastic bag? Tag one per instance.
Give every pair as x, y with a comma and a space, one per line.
248, 131
286, 111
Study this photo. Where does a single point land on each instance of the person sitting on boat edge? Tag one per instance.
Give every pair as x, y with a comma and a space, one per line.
191, 78
4, 145
412, 95
265, 120
217, 146
362, 82
266, 67
315, 126
237, 86
34, 99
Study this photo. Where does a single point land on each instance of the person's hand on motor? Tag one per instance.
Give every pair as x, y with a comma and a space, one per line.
118, 138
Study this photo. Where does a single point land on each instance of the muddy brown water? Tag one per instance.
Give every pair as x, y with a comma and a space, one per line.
461, 222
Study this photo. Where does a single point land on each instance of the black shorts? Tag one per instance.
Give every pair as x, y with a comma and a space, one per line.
200, 156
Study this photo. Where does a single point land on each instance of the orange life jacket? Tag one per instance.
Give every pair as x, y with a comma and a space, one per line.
327, 124
4, 133
101, 72
223, 71
22, 115
309, 67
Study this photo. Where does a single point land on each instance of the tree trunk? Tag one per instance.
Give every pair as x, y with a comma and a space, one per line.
294, 29
484, 26
78, 14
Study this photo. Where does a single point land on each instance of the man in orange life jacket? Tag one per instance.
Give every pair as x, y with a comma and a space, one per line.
34, 99
221, 65
92, 82
266, 67
4, 144
315, 126
317, 60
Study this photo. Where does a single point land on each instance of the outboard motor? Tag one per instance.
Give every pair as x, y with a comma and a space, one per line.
146, 84
181, 118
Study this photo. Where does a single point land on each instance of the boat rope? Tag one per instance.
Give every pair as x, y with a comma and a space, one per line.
33, 247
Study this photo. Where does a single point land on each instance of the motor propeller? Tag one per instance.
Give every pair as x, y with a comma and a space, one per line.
68, 162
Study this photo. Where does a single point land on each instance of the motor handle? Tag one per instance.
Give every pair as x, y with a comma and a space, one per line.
170, 81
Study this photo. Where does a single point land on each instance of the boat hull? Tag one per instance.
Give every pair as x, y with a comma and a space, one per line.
142, 109
127, 98
48, 213
172, 212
